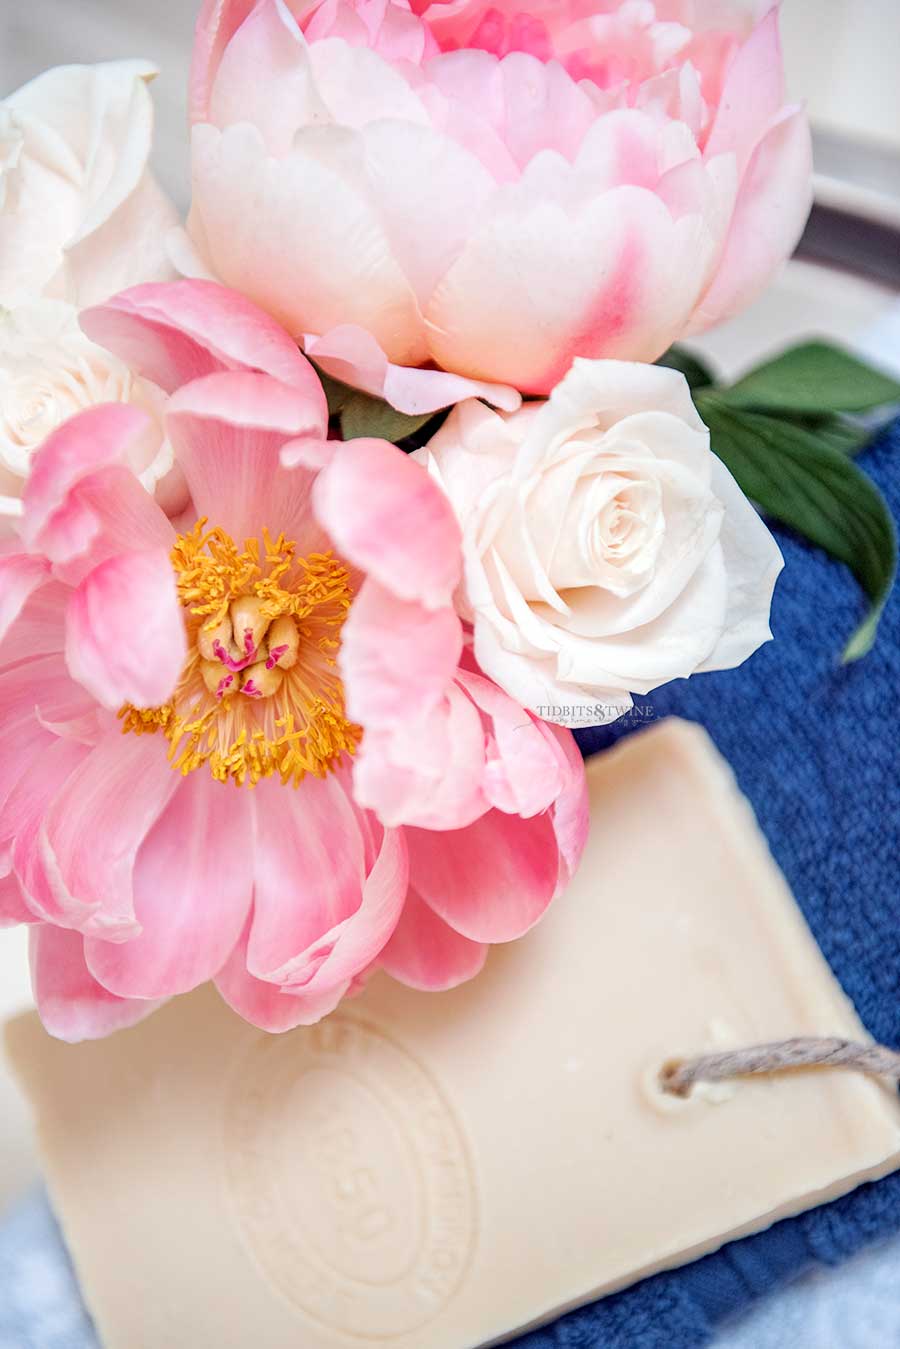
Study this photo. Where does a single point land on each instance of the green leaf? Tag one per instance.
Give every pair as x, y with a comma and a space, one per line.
360, 414
813, 378
697, 373
798, 478
842, 434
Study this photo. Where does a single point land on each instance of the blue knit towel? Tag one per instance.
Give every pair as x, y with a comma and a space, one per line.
816, 747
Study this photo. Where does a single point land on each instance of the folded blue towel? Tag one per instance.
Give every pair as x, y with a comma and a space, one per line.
816, 748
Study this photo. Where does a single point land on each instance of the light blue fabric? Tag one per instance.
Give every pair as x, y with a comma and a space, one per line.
816, 747
40, 1306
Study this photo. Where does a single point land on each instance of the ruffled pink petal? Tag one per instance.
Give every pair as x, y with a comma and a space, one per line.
397, 658
20, 576
353, 356
491, 881
227, 431
81, 503
39, 629
13, 909
389, 518
427, 772
571, 810
28, 800
193, 886
523, 774
125, 638
771, 212
176, 333
323, 908
35, 696
425, 953
90, 835
72, 1005
269, 1006
217, 24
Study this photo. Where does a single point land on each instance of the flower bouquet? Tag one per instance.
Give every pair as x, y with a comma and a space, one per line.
330, 513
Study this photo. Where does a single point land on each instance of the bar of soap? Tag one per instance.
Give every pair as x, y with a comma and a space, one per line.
441, 1171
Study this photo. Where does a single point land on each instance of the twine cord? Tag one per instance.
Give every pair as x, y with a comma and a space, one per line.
679, 1076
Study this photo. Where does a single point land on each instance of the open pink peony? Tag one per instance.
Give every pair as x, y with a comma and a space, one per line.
183, 700
489, 190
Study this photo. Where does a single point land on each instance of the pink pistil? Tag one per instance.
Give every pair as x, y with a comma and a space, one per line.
224, 685
251, 690
235, 665
275, 656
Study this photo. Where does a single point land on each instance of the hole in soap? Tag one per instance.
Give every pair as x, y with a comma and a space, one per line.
666, 1075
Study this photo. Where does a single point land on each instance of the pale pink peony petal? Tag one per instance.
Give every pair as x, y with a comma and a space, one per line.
125, 638
269, 1006
193, 886
20, 576
571, 810
175, 333
752, 95
13, 909
228, 430
40, 628
24, 808
350, 354
72, 1005
425, 953
769, 218
82, 505
92, 830
396, 657
491, 881
387, 517
427, 772
622, 300
217, 23
33, 695
311, 277
323, 909
523, 775
268, 40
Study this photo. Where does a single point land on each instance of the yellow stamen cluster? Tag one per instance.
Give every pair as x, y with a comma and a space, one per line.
275, 705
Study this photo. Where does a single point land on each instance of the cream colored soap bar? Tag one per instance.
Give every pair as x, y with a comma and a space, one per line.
438, 1172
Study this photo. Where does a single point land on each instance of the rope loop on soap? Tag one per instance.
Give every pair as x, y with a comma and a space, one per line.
678, 1076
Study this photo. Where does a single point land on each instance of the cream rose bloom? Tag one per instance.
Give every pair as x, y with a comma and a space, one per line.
607, 549
81, 217
49, 370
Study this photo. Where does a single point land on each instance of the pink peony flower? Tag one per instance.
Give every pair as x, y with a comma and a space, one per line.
491, 189
182, 708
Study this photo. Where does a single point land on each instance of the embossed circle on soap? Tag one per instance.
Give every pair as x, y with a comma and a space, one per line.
350, 1177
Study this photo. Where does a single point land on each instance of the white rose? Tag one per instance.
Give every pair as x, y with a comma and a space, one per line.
49, 370
81, 217
607, 549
